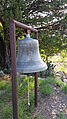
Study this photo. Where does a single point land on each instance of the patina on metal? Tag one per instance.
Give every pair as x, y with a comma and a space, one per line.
28, 58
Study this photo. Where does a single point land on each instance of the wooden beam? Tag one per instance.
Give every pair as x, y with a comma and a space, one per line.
13, 64
24, 26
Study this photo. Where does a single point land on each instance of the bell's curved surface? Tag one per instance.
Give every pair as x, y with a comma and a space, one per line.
28, 57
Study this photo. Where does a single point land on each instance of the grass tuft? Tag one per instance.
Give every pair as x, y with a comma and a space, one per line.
6, 112
61, 116
45, 86
64, 88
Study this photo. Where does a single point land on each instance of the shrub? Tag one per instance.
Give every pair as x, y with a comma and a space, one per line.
50, 69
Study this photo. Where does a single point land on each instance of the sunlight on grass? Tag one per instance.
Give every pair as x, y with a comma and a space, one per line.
24, 111
3, 85
45, 87
59, 83
62, 85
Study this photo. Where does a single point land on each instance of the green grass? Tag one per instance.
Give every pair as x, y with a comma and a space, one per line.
50, 81
3, 85
46, 90
61, 116
62, 85
64, 88
7, 112
39, 117
45, 86
22, 85
24, 111
59, 83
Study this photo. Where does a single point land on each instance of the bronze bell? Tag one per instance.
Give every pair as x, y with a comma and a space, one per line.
28, 57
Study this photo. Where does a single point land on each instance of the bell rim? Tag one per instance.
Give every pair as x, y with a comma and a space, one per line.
20, 70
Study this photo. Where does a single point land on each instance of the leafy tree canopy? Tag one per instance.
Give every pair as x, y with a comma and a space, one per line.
48, 16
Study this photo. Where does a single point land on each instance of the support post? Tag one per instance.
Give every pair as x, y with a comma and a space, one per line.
35, 88
36, 80
14, 23
13, 64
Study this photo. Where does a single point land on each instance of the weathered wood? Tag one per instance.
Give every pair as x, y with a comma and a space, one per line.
21, 25
13, 24
13, 64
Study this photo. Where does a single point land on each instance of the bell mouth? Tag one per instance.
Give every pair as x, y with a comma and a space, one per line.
31, 67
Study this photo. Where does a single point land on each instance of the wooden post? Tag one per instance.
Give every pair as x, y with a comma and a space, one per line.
13, 24
35, 88
13, 64
36, 80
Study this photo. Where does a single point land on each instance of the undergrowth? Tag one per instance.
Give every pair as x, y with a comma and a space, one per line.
45, 87
24, 111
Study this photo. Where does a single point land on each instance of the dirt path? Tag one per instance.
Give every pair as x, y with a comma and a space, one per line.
49, 107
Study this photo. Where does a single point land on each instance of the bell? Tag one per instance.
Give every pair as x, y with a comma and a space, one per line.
28, 57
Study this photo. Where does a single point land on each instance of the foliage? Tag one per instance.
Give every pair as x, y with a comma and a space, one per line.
39, 117
43, 56
61, 116
50, 69
46, 90
23, 85
62, 85
7, 113
45, 87
59, 83
48, 16
24, 111
1, 31
50, 80
3, 85
50, 44
64, 55
64, 88
50, 66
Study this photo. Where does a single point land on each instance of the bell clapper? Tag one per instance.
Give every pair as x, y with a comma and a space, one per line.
28, 94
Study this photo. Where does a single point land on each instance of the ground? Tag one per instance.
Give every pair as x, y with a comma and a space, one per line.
53, 106
50, 107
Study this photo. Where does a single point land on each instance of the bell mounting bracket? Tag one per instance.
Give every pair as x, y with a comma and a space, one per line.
13, 25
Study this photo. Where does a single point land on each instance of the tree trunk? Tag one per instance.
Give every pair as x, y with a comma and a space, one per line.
2, 53
6, 49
